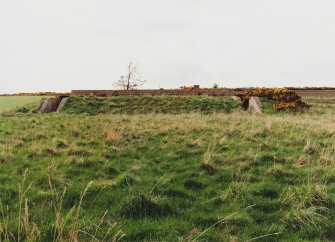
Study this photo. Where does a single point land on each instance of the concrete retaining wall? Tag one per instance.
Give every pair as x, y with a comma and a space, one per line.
61, 105
156, 92
328, 93
255, 105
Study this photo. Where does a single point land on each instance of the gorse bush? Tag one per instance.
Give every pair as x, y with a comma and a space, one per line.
283, 98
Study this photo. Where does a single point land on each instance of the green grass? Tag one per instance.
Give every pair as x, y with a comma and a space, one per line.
8, 103
267, 106
168, 177
320, 100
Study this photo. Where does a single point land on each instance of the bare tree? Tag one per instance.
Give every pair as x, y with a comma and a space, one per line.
132, 79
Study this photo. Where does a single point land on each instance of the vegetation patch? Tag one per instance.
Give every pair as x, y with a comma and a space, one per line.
282, 98
144, 206
148, 104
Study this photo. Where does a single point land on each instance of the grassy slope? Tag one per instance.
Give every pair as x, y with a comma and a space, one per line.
148, 104
170, 177
12, 102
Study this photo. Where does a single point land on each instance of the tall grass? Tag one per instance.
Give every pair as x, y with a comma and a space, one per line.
67, 225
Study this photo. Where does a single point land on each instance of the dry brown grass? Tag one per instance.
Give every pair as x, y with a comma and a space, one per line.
113, 135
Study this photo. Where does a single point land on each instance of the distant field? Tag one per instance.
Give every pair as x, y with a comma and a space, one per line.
11, 102
316, 93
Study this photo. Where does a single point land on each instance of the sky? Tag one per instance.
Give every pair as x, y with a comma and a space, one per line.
49, 45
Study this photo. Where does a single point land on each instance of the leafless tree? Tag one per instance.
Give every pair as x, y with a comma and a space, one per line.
132, 79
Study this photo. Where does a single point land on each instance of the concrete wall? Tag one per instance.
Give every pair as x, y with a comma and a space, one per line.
330, 93
179, 92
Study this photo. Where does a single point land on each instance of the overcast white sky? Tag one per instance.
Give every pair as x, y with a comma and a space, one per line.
61, 45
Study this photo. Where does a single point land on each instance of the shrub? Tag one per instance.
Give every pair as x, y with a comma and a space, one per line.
283, 98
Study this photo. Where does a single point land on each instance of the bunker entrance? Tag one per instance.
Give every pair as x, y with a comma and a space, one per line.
52, 104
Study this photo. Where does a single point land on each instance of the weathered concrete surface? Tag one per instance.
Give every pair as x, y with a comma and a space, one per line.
255, 105
154, 92
61, 105
50, 105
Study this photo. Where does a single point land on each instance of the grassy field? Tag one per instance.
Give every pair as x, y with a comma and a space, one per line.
229, 176
11, 102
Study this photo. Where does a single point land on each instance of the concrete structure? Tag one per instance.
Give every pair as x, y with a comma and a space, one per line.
157, 92
326, 93
61, 105
52, 104
255, 105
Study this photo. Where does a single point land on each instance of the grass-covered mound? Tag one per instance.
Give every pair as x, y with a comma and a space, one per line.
149, 104
186, 177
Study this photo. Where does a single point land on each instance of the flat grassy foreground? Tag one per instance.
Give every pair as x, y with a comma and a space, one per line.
168, 177
10, 102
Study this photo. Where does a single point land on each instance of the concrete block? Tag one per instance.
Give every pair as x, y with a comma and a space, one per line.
61, 105
255, 105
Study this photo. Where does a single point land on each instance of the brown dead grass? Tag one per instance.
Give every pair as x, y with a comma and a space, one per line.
113, 135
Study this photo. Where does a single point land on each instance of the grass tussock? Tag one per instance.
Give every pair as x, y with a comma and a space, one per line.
67, 225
